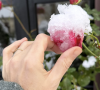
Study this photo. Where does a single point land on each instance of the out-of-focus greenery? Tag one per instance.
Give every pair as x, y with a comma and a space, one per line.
0, 60
92, 12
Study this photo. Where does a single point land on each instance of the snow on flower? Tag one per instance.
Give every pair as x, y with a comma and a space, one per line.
0, 5
67, 28
89, 63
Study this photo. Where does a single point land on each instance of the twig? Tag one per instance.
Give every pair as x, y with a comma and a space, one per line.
22, 25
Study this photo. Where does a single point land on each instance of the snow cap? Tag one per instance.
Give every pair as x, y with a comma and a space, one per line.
71, 17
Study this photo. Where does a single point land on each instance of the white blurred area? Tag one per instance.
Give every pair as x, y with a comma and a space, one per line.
6, 12
7, 24
7, 17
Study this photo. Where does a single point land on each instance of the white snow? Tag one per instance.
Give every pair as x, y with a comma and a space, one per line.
71, 17
89, 63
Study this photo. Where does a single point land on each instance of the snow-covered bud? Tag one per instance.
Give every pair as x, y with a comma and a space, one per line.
67, 28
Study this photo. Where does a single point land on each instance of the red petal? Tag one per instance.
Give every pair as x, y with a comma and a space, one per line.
73, 1
56, 37
68, 41
0, 5
76, 40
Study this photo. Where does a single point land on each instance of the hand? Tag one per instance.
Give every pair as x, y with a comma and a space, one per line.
26, 67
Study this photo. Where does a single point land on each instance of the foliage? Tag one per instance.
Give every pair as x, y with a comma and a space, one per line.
0, 60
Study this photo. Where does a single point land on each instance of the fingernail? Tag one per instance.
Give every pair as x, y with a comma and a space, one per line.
24, 38
77, 52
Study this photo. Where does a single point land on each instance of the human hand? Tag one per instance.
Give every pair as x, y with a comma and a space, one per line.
26, 67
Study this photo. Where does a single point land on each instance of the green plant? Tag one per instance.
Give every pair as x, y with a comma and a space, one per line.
0, 60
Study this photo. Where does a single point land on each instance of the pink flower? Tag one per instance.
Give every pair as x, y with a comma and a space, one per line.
74, 1
0, 5
65, 41
68, 27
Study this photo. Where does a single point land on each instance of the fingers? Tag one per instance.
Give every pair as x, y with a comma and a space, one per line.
23, 46
64, 62
8, 51
41, 43
45, 42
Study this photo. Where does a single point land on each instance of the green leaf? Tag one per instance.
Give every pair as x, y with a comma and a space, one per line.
71, 70
70, 77
84, 80
81, 68
97, 70
66, 84
96, 30
0, 60
92, 76
76, 74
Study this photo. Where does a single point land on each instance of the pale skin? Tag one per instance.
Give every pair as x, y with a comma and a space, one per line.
26, 67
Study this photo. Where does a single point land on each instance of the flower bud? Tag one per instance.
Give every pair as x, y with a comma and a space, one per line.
0, 5
67, 28
74, 1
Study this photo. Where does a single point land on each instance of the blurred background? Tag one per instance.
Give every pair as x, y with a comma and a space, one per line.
34, 15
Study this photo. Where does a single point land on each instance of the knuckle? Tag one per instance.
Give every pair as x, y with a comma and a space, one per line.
42, 36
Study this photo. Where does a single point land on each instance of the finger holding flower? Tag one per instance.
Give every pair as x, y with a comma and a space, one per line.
26, 67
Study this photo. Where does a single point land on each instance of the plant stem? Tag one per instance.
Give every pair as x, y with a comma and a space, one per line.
96, 85
22, 25
89, 50
93, 37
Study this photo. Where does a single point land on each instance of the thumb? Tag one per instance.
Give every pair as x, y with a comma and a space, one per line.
64, 62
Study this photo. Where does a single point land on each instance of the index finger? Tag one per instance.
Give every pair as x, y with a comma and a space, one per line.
8, 51
41, 44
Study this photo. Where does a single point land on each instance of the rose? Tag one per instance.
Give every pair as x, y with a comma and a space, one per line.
67, 28
74, 1
66, 41
0, 5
